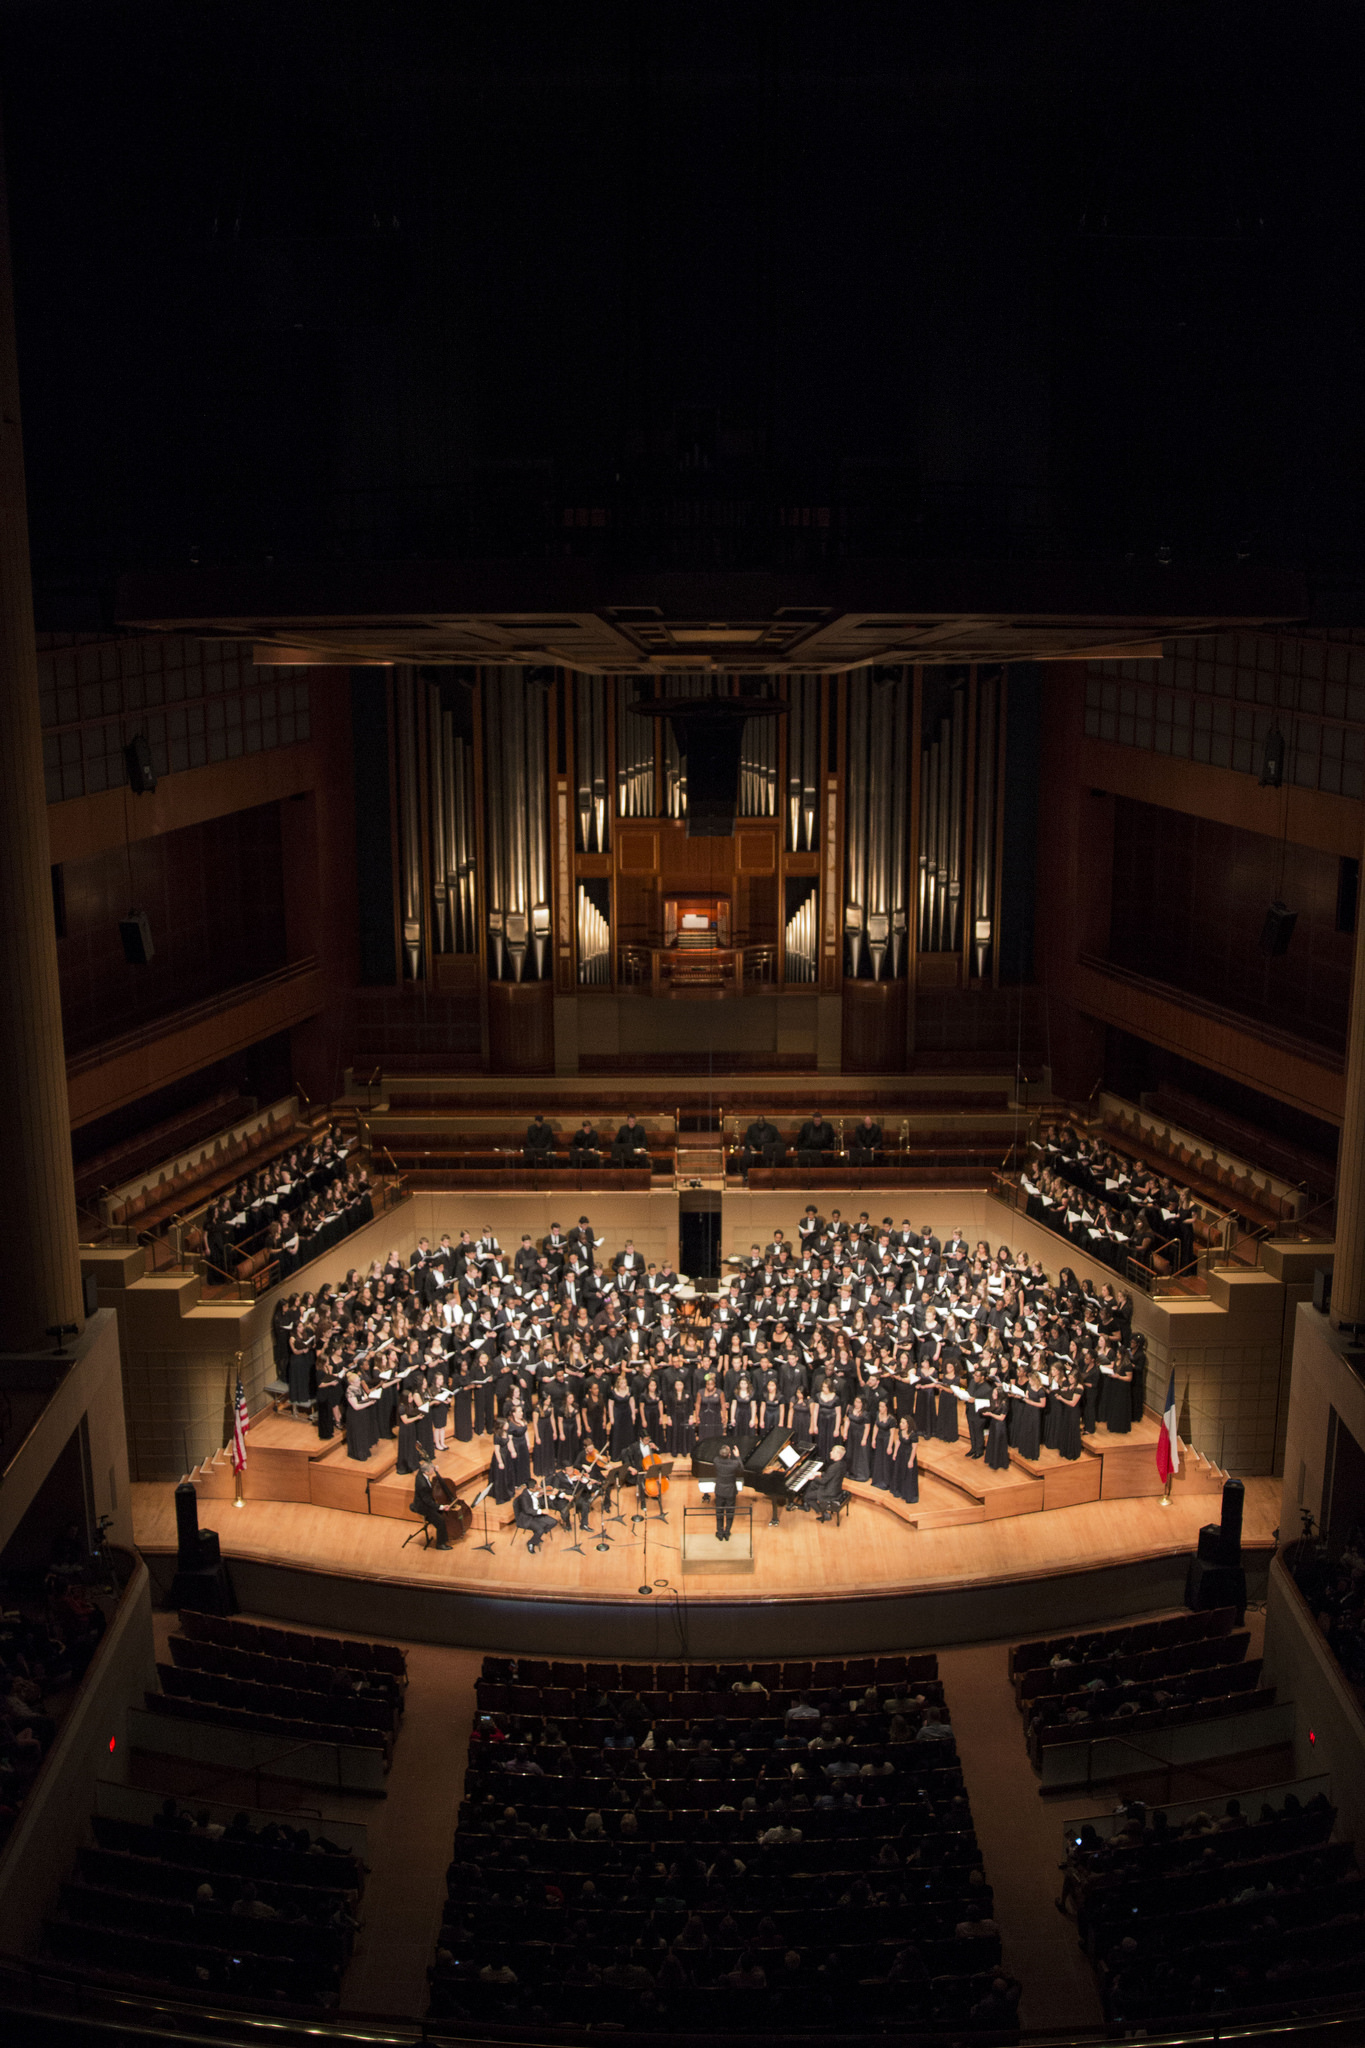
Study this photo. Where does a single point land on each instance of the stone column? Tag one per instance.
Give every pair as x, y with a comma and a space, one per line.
1348, 1267
42, 1284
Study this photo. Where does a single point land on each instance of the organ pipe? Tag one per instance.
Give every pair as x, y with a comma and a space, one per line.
802, 939
410, 840
436, 812
515, 797
590, 777
877, 812
941, 827
983, 851
634, 755
594, 942
675, 768
803, 754
758, 769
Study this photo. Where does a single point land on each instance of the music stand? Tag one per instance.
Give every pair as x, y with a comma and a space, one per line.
614, 1480
481, 1500
575, 1508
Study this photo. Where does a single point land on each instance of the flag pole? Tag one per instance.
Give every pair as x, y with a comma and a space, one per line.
236, 1468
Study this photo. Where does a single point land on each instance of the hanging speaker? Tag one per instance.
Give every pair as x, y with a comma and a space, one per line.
135, 930
141, 774
1278, 929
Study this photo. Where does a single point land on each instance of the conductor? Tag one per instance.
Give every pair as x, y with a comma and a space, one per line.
727, 1487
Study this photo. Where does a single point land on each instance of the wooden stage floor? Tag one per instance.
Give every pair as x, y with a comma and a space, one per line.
875, 1551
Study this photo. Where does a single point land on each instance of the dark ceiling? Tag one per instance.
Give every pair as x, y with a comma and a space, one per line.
687, 288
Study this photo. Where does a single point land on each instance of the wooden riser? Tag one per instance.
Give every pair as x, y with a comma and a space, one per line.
1000, 1495
344, 1482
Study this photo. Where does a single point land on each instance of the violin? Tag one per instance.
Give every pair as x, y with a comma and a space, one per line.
654, 1480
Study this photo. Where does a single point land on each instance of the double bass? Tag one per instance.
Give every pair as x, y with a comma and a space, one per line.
457, 1514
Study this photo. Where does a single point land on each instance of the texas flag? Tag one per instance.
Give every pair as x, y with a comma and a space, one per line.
1168, 1443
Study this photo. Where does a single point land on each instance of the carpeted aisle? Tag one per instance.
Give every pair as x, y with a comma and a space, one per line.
411, 1835
1021, 1841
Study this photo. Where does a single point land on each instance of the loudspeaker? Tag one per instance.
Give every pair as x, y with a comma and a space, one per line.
90, 1294
1215, 1585
201, 1580
187, 1522
1322, 1289
1278, 928
1272, 761
141, 774
711, 744
1234, 1500
135, 930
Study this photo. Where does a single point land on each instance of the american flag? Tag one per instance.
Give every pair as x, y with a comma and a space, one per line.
241, 1423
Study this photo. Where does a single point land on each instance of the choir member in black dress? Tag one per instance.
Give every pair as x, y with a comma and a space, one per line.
945, 1415
997, 1432
1115, 1405
331, 1395
409, 1408
1028, 1418
438, 1408
857, 1428
828, 1421
362, 1420
1068, 1401
883, 1446
500, 1466
905, 1463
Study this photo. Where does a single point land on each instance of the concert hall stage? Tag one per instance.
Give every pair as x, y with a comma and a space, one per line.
983, 1555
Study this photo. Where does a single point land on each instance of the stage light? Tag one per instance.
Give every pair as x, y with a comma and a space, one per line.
1278, 929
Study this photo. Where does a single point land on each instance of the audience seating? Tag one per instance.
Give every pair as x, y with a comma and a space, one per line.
288, 1642
879, 1891
1125, 1641
176, 1134
1223, 1186
136, 1909
1220, 1914
194, 1187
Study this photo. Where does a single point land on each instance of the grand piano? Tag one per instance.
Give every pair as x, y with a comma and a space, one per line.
768, 1465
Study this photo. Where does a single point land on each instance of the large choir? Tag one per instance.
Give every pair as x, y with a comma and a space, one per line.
295, 1209
1112, 1207
865, 1336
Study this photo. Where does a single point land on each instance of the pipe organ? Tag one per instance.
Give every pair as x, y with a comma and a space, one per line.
517, 880
541, 824
594, 942
590, 757
876, 810
941, 819
758, 769
803, 764
437, 870
803, 937
988, 737
634, 755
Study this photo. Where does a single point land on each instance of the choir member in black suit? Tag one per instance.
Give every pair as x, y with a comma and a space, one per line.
814, 1139
865, 1143
764, 1145
539, 1149
630, 1146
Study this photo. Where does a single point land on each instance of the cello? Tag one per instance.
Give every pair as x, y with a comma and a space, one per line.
653, 1478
